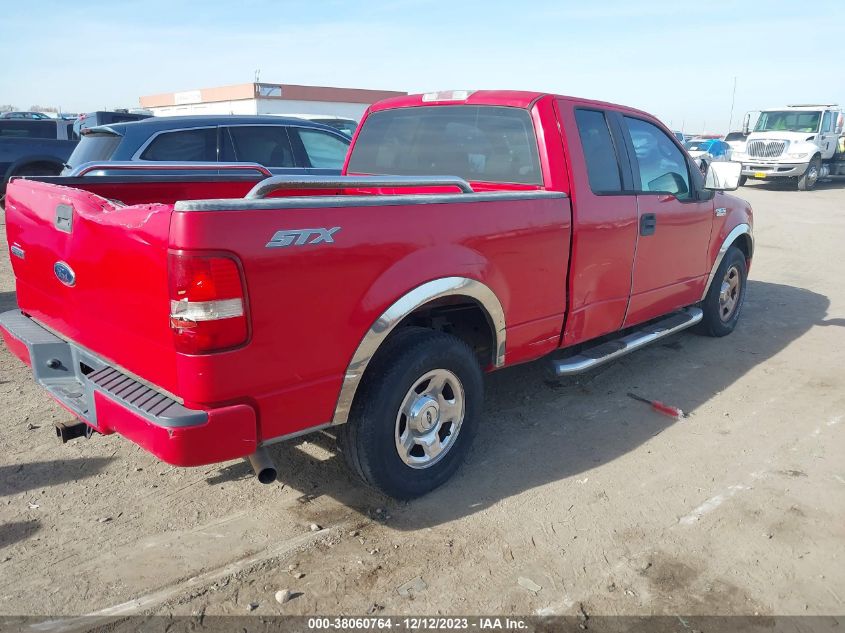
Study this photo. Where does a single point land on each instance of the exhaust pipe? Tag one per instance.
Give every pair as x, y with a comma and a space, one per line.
263, 466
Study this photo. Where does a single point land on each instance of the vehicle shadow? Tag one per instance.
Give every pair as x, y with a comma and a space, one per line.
8, 301
17, 478
536, 429
11, 533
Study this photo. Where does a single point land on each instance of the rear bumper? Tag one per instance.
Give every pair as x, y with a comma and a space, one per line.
773, 170
111, 401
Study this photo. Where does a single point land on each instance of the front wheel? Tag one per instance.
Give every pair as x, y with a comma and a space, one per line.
415, 413
742, 181
723, 302
811, 176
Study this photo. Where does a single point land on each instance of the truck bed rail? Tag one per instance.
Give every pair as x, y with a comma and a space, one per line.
274, 183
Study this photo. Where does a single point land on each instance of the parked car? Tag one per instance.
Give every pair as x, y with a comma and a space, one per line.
282, 145
708, 149
345, 125
103, 117
33, 147
24, 115
219, 321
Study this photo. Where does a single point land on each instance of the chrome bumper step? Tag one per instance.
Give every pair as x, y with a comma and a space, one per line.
639, 338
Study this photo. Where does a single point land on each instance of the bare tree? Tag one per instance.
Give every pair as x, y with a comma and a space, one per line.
7, 107
38, 108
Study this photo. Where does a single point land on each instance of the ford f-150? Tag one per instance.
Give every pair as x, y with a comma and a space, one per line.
206, 317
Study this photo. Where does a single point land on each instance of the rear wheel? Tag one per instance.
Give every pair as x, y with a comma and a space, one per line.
724, 299
811, 176
415, 413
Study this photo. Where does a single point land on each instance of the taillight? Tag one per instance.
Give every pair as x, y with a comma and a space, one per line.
207, 303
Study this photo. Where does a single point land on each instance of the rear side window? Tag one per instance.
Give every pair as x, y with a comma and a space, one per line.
323, 150
94, 147
599, 151
184, 145
23, 128
480, 143
266, 145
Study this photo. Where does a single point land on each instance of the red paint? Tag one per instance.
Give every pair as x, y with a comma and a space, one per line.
229, 433
564, 270
16, 347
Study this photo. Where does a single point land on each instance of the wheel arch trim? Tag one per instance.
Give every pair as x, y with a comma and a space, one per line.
404, 306
736, 232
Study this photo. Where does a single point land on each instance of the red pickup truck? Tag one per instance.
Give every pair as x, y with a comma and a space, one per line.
206, 317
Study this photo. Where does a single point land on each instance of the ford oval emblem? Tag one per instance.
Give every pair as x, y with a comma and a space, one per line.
64, 273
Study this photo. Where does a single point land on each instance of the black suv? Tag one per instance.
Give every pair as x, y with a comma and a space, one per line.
283, 145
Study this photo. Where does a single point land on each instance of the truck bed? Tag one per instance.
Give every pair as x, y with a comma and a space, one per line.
308, 304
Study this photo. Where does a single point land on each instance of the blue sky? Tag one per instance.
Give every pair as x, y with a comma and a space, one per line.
674, 58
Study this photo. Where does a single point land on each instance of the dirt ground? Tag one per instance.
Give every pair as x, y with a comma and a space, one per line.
574, 495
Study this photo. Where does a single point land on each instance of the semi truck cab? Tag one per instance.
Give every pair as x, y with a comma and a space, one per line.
799, 142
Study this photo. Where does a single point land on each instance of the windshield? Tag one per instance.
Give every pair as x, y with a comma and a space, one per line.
788, 121
477, 143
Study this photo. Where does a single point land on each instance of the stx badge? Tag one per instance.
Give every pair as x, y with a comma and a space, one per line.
301, 237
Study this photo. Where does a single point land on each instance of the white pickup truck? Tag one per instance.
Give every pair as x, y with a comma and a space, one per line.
800, 142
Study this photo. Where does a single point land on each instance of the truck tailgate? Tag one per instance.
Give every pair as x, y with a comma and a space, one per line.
95, 272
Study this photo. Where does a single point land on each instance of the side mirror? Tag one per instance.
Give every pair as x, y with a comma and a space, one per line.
746, 124
723, 176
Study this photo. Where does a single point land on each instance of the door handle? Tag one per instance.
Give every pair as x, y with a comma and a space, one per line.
648, 224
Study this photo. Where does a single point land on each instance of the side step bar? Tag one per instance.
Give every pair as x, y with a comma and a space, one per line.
611, 350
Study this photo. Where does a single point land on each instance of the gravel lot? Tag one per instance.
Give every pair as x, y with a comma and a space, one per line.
575, 496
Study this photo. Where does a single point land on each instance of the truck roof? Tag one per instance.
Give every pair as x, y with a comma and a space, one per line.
511, 98
803, 106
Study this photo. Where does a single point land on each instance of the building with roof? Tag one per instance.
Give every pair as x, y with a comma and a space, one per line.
266, 98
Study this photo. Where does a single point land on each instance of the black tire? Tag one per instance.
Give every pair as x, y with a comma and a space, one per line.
808, 181
715, 321
368, 439
743, 180
38, 169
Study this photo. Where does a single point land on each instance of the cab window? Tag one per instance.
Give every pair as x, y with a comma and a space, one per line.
27, 128
827, 122
661, 164
599, 151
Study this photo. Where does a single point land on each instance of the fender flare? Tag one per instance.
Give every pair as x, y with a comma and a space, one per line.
402, 307
739, 229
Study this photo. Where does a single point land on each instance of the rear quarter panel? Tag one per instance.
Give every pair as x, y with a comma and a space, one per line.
311, 305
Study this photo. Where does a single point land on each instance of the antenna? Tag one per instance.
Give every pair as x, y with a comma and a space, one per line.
733, 100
